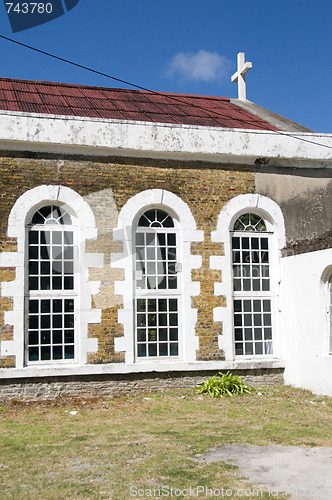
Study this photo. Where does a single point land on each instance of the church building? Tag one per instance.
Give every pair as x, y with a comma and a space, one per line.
149, 240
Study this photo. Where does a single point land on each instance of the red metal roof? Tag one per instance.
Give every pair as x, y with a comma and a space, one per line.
138, 105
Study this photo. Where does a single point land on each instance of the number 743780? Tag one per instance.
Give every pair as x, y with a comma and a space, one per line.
29, 8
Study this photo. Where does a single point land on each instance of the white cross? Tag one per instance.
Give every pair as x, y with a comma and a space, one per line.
239, 76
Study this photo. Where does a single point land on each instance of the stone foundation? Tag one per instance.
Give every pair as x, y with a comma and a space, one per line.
89, 386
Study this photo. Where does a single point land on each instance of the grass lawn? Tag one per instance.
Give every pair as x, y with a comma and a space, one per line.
118, 447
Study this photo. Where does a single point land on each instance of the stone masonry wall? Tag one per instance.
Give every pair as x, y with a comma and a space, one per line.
107, 185
115, 385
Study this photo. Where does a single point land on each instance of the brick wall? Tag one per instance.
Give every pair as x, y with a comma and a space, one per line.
107, 186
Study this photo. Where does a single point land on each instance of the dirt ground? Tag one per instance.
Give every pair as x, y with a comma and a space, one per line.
300, 472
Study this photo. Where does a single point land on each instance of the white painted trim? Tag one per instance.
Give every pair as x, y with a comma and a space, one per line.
129, 368
82, 135
187, 233
272, 215
83, 218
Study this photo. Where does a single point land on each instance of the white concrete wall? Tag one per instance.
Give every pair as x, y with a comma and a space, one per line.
304, 320
91, 136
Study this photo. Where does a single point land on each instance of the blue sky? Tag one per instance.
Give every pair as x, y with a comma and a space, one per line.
190, 46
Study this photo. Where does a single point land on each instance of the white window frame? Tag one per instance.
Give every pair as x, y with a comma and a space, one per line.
188, 234
271, 213
252, 295
21, 212
167, 293
53, 294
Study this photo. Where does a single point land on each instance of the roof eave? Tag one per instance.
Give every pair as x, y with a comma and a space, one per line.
102, 137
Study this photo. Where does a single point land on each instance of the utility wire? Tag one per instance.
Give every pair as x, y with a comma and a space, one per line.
173, 98
74, 64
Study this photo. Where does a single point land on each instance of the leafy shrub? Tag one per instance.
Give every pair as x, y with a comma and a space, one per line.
223, 384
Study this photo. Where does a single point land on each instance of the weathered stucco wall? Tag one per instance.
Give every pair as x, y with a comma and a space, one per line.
305, 198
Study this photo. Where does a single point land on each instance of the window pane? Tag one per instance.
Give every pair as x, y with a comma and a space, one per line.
69, 337
33, 237
163, 334
33, 268
45, 322
45, 353
68, 283
45, 267
57, 321
57, 237
173, 304
247, 334
69, 320
238, 320
141, 305
45, 337
172, 283
163, 349
152, 349
174, 349
249, 348
173, 319
69, 305
259, 348
69, 352
57, 352
152, 282
33, 354
33, 252
238, 334
33, 338
141, 350
45, 283
173, 334
45, 252
141, 335
33, 322
239, 349
68, 253
57, 336
33, 306
235, 242
161, 239
56, 283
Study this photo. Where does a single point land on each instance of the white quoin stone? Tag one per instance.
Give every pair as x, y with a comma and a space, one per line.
239, 76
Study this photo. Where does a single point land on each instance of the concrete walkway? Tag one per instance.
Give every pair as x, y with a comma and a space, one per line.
299, 472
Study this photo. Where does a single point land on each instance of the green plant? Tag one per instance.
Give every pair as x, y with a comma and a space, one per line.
223, 384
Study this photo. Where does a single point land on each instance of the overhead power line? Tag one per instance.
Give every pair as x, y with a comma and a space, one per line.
173, 98
73, 63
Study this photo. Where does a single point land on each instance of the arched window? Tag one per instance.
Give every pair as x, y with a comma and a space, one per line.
51, 286
252, 305
157, 285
